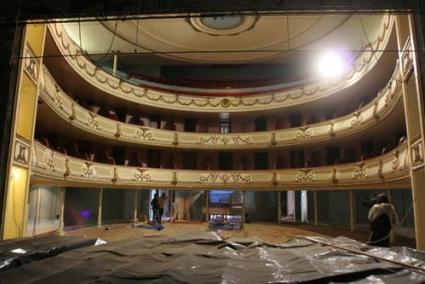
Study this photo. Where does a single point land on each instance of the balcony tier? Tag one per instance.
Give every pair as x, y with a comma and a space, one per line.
172, 100
390, 170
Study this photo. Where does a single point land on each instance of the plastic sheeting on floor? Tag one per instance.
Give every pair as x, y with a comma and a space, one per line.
206, 258
15, 253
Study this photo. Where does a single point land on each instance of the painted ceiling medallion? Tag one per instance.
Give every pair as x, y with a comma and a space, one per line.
222, 25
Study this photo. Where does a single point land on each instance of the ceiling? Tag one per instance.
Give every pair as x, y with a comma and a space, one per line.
227, 40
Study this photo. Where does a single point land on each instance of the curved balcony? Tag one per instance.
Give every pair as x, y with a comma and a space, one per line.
93, 124
149, 96
390, 170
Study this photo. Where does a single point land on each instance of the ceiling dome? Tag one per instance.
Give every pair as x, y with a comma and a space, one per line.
228, 39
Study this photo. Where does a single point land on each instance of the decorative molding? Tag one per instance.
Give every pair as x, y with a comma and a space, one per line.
92, 121
304, 133
360, 171
144, 133
334, 179
87, 170
407, 59
21, 152
368, 174
417, 154
141, 175
305, 175
357, 119
225, 178
50, 162
31, 64
225, 139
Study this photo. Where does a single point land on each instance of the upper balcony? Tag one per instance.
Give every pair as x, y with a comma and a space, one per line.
82, 122
77, 70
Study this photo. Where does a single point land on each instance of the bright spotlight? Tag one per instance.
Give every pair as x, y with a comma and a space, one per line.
331, 64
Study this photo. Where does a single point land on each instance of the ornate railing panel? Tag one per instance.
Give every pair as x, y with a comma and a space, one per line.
390, 169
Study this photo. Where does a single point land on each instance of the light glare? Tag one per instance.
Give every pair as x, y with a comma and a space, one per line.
331, 64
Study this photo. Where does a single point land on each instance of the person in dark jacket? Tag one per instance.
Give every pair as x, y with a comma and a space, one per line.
383, 219
155, 208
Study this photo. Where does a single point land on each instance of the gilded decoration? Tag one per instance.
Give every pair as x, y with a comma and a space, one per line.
225, 178
331, 130
396, 161
334, 179
21, 152
144, 133
117, 131
50, 162
31, 64
357, 119
277, 99
92, 121
304, 133
381, 169
87, 169
225, 139
360, 171
417, 154
305, 175
407, 59
141, 175
69, 171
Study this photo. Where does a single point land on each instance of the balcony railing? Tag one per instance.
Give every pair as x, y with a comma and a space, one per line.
351, 124
389, 170
149, 96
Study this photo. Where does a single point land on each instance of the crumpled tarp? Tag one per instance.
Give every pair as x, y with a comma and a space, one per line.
206, 258
15, 253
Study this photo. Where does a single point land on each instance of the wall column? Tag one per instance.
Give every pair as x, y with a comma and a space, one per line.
207, 205
99, 209
279, 207
15, 206
410, 80
243, 206
352, 201
135, 205
62, 211
316, 215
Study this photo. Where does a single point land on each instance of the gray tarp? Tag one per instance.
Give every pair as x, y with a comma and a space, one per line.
206, 258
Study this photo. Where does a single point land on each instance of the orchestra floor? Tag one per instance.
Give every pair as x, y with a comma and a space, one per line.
272, 233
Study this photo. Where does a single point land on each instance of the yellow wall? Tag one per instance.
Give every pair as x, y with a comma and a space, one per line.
26, 108
35, 38
16, 203
15, 209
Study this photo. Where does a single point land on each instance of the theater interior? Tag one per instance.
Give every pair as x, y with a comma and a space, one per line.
228, 142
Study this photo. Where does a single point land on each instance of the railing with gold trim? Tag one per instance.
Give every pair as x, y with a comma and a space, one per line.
391, 169
168, 100
79, 117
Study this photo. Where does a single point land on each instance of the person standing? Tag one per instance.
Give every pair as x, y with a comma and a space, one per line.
383, 219
155, 208
161, 205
